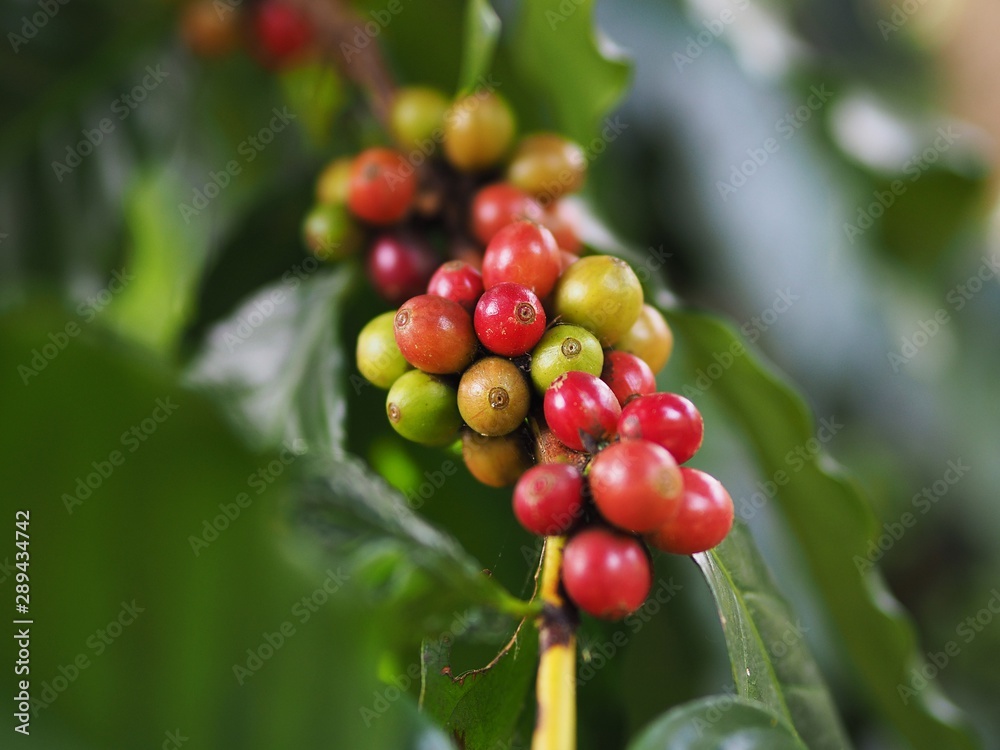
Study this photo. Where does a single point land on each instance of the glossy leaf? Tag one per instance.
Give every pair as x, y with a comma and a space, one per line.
482, 29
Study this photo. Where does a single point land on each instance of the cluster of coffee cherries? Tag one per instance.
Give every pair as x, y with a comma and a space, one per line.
545, 369
273, 31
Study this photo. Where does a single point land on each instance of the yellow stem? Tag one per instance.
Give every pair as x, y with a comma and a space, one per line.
555, 722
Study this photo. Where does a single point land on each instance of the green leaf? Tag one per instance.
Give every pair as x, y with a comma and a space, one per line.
721, 722
767, 649
482, 29
354, 519
571, 68
315, 93
479, 709
276, 364
833, 524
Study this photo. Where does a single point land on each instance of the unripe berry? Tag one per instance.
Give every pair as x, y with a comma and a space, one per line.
379, 359
283, 34
382, 186
329, 232
547, 166
636, 485
667, 419
580, 406
209, 33
422, 408
493, 397
523, 253
416, 113
703, 520
600, 293
509, 319
496, 461
495, 206
459, 282
548, 498
563, 349
649, 338
435, 334
399, 266
333, 185
478, 130
628, 376
606, 574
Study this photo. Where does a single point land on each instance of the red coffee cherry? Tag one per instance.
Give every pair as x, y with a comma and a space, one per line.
399, 266
636, 485
667, 419
704, 518
579, 404
606, 574
495, 206
210, 33
282, 32
509, 320
435, 334
561, 220
548, 498
382, 186
627, 375
459, 282
523, 253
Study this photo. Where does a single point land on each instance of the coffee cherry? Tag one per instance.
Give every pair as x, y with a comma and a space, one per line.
600, 293
496, 461
330, 233
500, 204
561, 220
422, 408
435, 334
579, 405
282, 32
567, 259
399, 266
667, 419
209, 33
547, 166
382, 186
649, 338
523, 253
548, 498
509, 319
636, 485
605, 573
478, 130
561, 350
333, 185
628, 376
703, 520
459, 282
378, 356
493, 397
416, 113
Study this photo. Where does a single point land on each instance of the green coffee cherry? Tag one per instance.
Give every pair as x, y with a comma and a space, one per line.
330, 233
600, 293
416, 113
493, 397
333, 182
564, 348
478, 130
422, 408
379, 359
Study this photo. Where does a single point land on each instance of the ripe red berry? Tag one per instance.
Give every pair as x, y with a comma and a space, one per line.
524, 253
282, 32
627, 375
548, 498
606, 574
382, 186
495, 206
509, 320
399, 267
435, 334
667, 419
580, 404
562, 221
459, 282
704, 518
635, 485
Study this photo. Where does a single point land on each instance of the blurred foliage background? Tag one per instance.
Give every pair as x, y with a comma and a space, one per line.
838, 291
